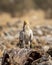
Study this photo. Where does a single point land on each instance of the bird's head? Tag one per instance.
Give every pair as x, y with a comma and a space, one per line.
26, 24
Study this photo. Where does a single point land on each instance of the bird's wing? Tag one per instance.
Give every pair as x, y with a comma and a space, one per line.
31, 35
21, 36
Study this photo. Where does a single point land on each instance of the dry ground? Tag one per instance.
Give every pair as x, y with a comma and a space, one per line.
34, 17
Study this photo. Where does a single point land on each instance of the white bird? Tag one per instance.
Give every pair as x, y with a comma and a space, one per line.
26, 35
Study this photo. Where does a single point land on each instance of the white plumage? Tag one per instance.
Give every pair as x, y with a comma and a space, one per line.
26, 35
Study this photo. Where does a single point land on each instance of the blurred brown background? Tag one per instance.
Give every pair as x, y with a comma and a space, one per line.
36, 11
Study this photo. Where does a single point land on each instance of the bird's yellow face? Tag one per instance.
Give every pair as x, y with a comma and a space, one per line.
26, 22
26, 25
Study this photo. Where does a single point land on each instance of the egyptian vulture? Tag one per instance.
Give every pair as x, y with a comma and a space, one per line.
26, 35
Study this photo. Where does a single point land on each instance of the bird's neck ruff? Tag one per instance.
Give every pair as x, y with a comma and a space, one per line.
27, 28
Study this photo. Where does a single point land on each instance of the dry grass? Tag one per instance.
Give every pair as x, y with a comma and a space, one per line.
35, 18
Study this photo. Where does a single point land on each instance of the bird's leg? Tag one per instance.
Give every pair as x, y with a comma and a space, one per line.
23, 43
29, 44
